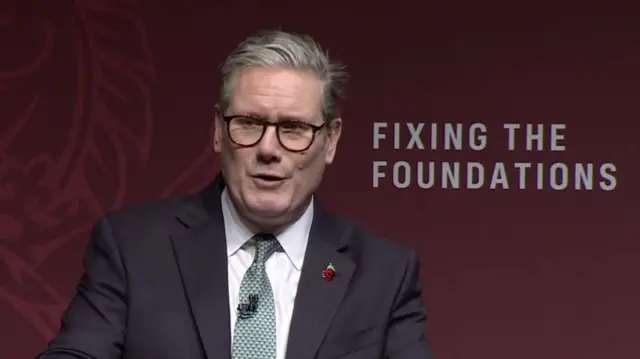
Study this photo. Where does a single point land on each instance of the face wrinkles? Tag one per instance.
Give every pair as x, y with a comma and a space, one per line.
267, 100
274, 94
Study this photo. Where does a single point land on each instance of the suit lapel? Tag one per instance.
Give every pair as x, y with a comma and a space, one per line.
318, 299
200, 250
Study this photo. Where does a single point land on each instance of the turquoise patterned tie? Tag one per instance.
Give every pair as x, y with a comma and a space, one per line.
254, 335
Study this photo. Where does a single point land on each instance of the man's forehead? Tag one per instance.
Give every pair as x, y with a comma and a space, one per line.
274, 110
277, 93
276, 81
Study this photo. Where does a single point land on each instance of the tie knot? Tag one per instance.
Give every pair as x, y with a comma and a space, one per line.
266, 244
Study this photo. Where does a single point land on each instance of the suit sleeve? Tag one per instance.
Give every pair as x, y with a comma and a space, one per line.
405, 334
93, 325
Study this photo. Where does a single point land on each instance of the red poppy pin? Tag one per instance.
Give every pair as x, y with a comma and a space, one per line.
329, 273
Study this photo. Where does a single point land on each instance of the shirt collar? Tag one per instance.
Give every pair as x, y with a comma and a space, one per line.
293, 238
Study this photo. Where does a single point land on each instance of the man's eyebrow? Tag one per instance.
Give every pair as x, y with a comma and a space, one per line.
251, 114
293, 118
279, 118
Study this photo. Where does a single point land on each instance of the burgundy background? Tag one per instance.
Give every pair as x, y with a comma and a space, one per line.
105, 103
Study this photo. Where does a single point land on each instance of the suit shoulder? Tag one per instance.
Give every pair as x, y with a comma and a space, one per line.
369, 242
147, 213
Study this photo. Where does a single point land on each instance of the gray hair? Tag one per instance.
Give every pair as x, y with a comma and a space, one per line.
277, 48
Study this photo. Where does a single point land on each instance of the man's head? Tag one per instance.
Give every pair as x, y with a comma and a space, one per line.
277, 126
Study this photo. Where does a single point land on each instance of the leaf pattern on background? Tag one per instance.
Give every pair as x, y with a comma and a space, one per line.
52, 194
196, 176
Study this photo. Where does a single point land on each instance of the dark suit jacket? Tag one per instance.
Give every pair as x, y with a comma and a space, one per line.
155, 287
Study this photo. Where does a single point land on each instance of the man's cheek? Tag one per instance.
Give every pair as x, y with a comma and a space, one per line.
304, 161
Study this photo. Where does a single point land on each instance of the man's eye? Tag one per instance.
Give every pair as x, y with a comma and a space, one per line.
292, 126
246, 121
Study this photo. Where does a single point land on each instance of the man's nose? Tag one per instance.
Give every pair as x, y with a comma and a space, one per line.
269, 149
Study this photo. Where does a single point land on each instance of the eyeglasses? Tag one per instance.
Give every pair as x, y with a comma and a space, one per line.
247, 131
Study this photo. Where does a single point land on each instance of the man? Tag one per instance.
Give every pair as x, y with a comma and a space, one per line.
253, 267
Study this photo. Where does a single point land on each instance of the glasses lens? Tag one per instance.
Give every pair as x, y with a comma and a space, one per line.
295, 136
245, 131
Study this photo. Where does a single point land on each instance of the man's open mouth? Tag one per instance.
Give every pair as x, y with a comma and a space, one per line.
270, 178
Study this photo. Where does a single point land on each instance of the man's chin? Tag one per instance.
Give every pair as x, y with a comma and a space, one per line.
268, 211
269, 219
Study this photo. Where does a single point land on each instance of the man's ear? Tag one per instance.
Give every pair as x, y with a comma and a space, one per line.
334, 131
216, 130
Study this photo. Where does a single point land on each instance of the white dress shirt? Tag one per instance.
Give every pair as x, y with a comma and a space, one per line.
283, 268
